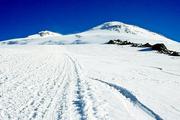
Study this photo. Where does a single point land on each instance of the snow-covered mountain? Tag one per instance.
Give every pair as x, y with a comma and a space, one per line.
99, 34
122, 28
45, 34
89, 81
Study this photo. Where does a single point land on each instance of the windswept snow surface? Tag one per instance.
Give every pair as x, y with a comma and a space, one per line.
88, 82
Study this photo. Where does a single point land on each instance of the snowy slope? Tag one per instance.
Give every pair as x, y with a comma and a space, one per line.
99, 34
87, 82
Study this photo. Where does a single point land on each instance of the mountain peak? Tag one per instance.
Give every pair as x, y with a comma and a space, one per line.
108, 25
111, 23
44, 33
116, 26
120, 27
47, 33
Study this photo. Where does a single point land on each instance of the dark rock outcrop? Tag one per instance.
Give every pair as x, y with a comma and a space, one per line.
111, 42
119, 42
136, 45
160, 47
174, 53
147, 45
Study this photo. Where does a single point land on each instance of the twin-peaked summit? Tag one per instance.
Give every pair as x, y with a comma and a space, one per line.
99, 34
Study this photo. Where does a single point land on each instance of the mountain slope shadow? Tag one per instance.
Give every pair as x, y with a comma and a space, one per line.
145, 49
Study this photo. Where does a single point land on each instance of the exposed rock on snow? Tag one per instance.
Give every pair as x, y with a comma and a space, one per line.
163, 49
119, 42
160, 47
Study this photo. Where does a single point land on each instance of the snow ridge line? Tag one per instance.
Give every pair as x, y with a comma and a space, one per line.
126, 93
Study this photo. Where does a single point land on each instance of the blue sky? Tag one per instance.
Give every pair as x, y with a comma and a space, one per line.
19, 18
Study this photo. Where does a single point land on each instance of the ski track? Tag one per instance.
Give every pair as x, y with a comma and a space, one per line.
85, 101
127, 94
54, 86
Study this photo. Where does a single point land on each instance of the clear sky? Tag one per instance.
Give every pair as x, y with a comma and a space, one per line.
19, 18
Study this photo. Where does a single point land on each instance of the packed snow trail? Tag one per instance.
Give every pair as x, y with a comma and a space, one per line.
51, 83
45, 86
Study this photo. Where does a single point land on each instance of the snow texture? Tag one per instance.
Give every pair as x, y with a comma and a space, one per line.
87, 82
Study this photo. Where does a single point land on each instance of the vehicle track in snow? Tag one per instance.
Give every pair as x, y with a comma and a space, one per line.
85, 101
55, 86
49, 86
130, 97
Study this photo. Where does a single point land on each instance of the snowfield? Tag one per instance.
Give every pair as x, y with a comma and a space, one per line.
88, 82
